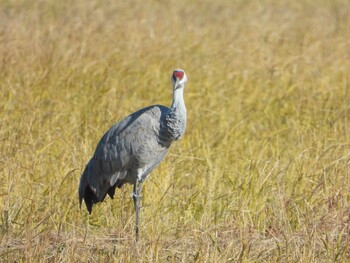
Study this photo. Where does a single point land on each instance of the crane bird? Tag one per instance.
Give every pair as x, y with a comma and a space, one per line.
132, 148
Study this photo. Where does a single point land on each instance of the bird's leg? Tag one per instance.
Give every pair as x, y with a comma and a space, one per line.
137, 204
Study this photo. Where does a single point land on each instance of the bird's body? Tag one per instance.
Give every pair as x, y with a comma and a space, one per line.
129, 150
133, 147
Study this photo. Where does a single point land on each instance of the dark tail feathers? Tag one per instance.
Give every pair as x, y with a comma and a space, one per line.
90, 199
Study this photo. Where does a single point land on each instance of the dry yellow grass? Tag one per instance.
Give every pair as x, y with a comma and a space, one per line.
262, 173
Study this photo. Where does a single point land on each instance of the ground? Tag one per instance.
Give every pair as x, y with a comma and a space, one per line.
262, 173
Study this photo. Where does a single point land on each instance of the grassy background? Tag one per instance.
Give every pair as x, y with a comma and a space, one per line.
262, 173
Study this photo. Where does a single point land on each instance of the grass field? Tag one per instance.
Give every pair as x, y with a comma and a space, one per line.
263, 171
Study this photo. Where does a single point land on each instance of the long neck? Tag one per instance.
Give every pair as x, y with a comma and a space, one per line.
178, 103
174, 123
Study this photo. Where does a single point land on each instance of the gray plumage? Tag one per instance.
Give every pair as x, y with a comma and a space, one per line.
133, 147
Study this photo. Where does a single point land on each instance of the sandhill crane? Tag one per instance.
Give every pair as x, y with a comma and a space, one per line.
132, 148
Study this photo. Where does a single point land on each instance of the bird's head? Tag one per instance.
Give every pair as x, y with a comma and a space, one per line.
179, 78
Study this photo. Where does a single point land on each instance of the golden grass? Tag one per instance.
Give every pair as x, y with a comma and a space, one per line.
262, 173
